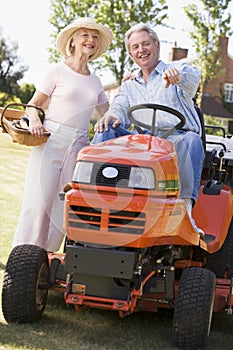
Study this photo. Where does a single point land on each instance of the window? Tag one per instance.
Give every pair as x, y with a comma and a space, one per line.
228, 92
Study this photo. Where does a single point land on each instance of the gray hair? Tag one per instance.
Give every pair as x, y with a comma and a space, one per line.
138, 28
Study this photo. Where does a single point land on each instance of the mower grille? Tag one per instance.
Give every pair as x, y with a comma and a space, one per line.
114, 221
121, 180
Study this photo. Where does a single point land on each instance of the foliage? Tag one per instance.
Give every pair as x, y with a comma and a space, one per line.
26, 91
119, 15
91, 130
5, 99
209, 120
11, 69
211, 21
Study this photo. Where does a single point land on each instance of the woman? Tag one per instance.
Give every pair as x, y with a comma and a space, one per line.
72, 93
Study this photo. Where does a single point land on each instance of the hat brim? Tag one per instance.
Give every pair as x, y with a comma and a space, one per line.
65, 36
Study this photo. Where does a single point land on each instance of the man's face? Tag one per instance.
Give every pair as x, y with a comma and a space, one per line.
143, 50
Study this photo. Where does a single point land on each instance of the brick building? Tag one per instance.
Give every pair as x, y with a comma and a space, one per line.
218, 91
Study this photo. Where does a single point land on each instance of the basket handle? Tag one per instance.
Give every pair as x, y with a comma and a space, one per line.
19, 104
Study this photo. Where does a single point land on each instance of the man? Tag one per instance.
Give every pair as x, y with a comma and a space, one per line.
174, 85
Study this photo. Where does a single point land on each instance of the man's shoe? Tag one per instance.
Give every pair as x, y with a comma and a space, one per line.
189, 207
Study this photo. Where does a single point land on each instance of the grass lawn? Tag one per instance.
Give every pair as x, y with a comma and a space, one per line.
61, 327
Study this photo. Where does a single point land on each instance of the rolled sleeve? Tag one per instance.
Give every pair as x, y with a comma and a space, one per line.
120, 106
189, 80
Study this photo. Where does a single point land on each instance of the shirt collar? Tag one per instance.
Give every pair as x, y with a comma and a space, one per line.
158, 70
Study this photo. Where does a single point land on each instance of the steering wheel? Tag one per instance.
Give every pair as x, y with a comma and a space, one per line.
152, 128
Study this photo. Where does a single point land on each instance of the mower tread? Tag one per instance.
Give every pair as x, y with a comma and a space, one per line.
20, 299
194, 307
221, 262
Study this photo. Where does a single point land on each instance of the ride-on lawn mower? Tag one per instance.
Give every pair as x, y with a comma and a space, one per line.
130, 245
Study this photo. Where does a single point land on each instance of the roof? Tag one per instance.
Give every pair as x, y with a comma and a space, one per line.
213, 106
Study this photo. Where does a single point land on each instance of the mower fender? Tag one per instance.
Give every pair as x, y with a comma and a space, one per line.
213, 214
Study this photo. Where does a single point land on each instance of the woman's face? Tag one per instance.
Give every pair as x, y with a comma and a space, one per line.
86, 41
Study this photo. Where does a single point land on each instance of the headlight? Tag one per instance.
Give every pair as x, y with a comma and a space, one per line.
82, 172
114, 175
168, 185
142, 178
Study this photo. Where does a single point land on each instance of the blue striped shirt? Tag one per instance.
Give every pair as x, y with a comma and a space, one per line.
179, 96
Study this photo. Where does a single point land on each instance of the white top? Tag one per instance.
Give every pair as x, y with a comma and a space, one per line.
73, 96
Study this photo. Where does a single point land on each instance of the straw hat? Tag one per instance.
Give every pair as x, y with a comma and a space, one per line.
65, 36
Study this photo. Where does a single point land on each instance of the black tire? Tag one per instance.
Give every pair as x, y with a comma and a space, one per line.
193, 309
25, 284
221, 262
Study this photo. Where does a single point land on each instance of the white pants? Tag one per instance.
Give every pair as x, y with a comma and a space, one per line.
50, 166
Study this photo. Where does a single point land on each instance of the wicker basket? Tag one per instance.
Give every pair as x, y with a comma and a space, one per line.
19, 134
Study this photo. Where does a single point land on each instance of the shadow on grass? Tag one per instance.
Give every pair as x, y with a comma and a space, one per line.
61, 327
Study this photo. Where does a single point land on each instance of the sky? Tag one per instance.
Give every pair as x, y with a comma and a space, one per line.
26, 23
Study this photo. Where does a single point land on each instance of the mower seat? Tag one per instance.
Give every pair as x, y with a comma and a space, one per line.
208, 167
201, 119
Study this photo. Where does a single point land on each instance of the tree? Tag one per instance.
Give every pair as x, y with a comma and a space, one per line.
211, 21
119, 15
26, 91
11, 71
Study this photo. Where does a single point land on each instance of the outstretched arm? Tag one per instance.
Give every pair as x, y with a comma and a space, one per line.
171, 76
117, 113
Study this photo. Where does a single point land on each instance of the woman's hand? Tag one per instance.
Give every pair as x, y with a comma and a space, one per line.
36, 127
104, 122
